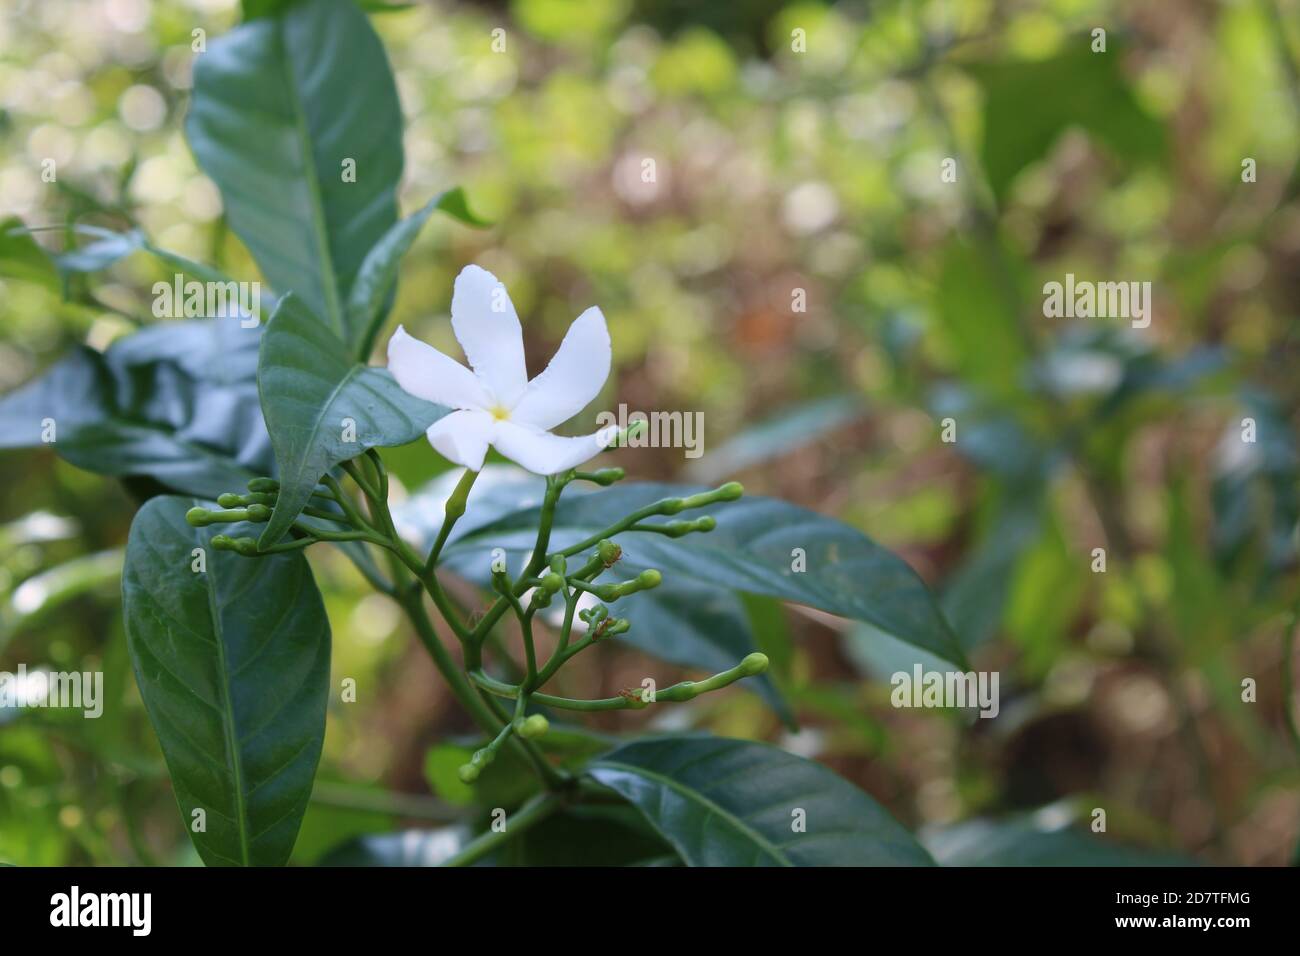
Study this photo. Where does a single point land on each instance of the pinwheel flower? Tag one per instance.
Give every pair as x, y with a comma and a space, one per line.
496, 404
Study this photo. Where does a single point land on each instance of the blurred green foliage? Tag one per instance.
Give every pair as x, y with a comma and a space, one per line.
775, 170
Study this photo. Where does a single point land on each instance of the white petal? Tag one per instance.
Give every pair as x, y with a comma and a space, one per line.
485, 323
462, 437
543, 453
426, 373
573, 378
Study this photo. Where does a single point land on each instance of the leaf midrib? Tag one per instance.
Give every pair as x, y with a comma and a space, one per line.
228, 715
697, 797
320, 228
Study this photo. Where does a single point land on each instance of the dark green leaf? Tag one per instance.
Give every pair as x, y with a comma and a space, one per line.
577, 836
367, 303
174, 402
280, 103
322, 408
233, 666
596, 835
726, 802
752, 550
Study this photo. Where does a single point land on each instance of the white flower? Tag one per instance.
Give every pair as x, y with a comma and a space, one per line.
496, 404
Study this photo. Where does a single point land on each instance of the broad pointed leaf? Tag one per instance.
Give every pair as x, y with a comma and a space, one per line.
322, 408
752, 550
723, 802
176, 403
378, 273
233, 666
285, 109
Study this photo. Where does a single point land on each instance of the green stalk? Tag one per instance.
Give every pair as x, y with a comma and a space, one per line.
529, 815
753, 665
413, 603
451, 514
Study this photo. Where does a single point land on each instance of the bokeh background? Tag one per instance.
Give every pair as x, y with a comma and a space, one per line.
775, 170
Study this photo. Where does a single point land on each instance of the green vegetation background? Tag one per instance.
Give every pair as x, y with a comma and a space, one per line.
775, 170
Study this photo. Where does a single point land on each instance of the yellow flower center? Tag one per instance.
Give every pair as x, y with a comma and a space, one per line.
500, 413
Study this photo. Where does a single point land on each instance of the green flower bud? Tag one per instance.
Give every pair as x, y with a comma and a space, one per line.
558, 564
259, 513
201, 517
533, 727
594, 615
456, 501
731, 491
230, 500
263, 484
223, 542
552, 582
619, 625
642, 582
467, 772
246, 546
608, 552
754, 664
606, 476
671, 506
706, 524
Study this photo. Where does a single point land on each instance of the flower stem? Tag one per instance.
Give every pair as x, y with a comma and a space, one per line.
454, 509
529, 815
